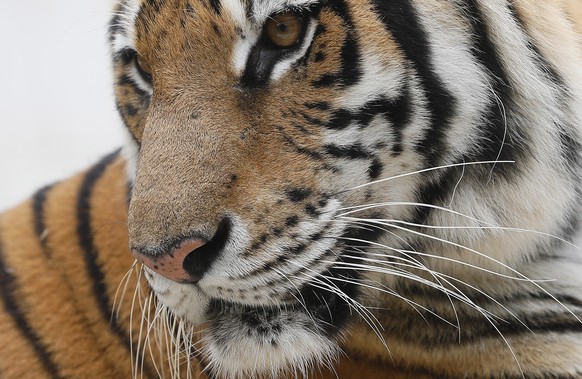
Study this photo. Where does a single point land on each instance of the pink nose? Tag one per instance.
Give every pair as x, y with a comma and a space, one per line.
171, 265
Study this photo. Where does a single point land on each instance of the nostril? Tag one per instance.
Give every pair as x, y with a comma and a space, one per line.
171, 264
190, 259
199, 261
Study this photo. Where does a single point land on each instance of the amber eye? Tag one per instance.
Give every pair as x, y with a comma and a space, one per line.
283, 30
144, 67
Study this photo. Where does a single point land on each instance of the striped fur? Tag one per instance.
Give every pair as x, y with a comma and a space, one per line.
396, 195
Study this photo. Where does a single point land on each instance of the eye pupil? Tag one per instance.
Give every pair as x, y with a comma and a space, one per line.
283, 30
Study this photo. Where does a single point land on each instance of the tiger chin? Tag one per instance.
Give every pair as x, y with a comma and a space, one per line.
316, 188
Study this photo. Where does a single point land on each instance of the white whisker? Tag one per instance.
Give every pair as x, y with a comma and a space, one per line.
377, 245
480, 254
464, 164
484, 225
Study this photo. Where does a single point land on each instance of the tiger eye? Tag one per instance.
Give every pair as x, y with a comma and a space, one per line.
283, 30
143, 65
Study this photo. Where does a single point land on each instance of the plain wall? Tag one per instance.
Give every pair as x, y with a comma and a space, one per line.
57, 110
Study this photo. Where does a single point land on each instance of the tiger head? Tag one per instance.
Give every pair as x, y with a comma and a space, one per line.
297, 166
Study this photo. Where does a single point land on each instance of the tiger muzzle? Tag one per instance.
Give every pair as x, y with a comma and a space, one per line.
178, 218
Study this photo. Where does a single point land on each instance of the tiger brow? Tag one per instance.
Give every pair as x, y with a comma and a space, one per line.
275, 6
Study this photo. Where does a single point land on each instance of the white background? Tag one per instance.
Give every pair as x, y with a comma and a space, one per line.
57, 110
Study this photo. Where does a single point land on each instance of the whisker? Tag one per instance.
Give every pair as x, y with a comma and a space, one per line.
358, 307
486, 225
464, 164
454, 191
512, 314
377, 245
486, 257
123, 283
416, 278
418, 265
389, 291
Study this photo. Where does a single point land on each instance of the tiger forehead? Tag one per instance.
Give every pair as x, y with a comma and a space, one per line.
242, 12
260, 10
173, 30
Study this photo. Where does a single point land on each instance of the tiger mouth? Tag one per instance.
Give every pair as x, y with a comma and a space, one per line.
328, 311
242, 340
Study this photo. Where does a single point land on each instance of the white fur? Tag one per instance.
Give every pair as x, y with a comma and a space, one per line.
130, 153
242, 50
242, 354
124, 37
184, 300
262, 9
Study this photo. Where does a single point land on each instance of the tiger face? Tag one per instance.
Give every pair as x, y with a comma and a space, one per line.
299, 166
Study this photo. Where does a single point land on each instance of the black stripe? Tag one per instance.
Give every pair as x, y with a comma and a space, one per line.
571, 149
156, 4
350, 53
8, 289
566, 300
435, 192
297, 194
375, 169
293, 251
87, 243
38, 204
340, 119
311, 120
126, 80
321, 105
543, 375
216, 5
351, 72
398, 111
354, 151
124, 56
400, 19
499, 139
476, 326
91, 254
541, 61
417, 291
313, 154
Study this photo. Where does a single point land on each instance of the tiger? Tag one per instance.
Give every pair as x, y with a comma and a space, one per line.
316, 189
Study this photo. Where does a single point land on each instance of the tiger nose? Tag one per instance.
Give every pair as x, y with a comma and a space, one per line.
171, 263
191, 259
